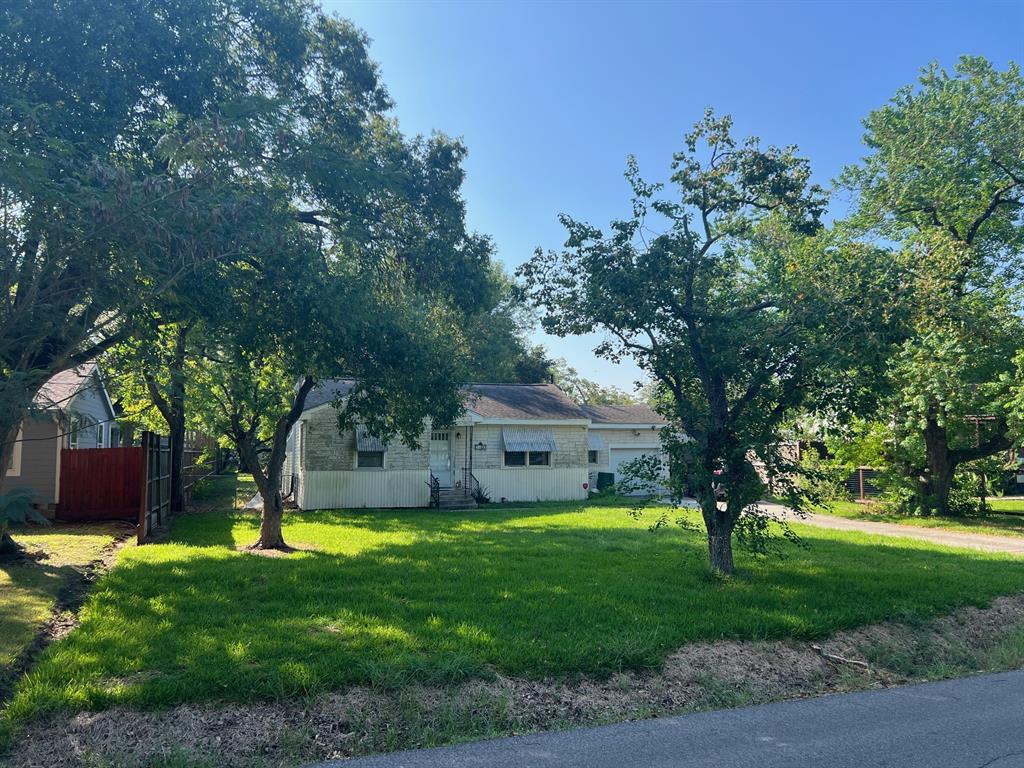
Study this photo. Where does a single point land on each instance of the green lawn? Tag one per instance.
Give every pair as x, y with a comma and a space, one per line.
1014, 506
390, 597
29, 586
995, 524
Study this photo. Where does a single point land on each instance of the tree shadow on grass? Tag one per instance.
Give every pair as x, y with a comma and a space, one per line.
174, 624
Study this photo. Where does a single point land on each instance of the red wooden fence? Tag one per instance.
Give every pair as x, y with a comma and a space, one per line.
99, 483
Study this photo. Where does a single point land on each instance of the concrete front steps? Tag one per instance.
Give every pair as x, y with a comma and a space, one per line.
455, 498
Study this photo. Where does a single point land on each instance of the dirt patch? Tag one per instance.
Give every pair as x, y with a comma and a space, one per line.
362, 720
64, 614
288, 550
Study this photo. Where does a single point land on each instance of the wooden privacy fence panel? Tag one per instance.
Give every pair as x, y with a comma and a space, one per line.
126, 483
99, 483
153, 494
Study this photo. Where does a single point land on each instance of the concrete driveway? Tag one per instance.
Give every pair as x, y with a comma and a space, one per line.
981, 541
970, 723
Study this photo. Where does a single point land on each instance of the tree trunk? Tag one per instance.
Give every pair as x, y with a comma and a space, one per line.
8, 546
177, 435
172, 408
720, 552
938, 477
271, 536
8, 434
719, 528
269, 480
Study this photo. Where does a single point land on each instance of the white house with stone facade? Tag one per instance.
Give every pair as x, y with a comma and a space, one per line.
515, 442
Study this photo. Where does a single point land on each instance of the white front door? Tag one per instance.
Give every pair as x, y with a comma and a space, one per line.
440, 457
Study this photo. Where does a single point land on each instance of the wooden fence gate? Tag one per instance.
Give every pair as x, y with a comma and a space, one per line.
154, 506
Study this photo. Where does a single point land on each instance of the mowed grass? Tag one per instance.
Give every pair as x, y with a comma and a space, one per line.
387, 598
1000, 522
29, 587
1012, 506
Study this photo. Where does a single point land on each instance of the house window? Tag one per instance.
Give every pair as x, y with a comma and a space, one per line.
370, 460
527, 458
592, 457
515, 459
99, 435
77, 430
115, 436
540, 458
439, 436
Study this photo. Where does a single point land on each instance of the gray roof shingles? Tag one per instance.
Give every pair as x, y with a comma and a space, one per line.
491, 401
622, 414
328, 392
58, 391
516, 401
522, 401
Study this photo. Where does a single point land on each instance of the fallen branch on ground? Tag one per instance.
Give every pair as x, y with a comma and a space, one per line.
838, 659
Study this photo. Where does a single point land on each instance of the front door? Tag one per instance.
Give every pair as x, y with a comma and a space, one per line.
440, 457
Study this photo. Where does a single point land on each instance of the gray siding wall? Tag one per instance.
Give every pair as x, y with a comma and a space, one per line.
91, 403
38, 461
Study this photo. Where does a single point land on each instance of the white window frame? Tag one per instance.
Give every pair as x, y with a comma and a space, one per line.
15, 469
76, 426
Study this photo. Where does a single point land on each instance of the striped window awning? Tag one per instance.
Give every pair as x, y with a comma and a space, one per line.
594, 442
523, 439
366, 442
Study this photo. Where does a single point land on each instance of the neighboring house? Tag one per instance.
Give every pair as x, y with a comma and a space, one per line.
515, 442
71, 410
620, 434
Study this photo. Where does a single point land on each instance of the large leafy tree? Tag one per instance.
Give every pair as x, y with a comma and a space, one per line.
945, 182
733, 308
586, 391
185, 144
305, 316
498, 344
118, 123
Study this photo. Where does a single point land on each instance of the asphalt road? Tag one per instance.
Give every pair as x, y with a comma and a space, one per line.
976, 722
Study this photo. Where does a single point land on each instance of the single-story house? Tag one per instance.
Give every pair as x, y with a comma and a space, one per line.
514, 442
71, 410
620, 434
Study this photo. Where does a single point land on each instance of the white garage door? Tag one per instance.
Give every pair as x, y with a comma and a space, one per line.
619, 456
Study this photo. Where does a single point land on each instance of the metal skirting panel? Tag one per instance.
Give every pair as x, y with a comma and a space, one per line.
534, 483
354, 489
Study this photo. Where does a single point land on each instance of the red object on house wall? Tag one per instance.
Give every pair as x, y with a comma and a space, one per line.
100, 483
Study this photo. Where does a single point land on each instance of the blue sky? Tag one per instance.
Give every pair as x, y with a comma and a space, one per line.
550, 98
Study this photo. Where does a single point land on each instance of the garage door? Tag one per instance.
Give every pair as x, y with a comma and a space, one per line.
620, 456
